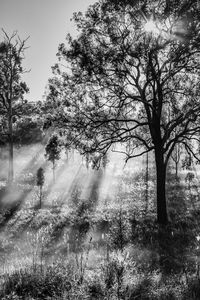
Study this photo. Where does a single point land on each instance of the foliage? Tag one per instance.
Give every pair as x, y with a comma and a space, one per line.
28, 130
40, 177
119, 231
12, 88
52, 151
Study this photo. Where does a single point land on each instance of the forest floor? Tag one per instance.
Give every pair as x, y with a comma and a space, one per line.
95, 236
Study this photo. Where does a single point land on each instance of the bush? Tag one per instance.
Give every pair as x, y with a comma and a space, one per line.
36, 283
192, 291
141, 291
95, 291
119, 231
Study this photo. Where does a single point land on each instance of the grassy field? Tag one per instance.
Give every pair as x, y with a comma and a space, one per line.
95, 236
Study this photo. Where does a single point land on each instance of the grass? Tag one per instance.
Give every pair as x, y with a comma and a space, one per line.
98, 248
117, 278
37, 283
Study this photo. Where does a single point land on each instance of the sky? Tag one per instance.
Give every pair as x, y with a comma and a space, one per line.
46, 23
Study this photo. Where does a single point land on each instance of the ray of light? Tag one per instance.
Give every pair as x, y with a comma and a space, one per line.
150, 26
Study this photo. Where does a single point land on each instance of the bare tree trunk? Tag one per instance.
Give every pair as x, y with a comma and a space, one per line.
11, 168
40, 196
54, 177
147, 182
176, 168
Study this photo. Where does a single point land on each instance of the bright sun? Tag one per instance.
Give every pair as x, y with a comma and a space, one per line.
150, 26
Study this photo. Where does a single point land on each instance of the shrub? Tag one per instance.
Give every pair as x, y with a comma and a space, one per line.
192, 291
35, 283
95, 291
119, 233
141, 290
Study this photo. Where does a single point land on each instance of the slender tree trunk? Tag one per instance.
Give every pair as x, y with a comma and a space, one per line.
11, 168
67, 154
162, 217
40, 196
176, 168
54, 177
147, 183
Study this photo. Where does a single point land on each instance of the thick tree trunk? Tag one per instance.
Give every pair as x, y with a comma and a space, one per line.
162, 217
147, 182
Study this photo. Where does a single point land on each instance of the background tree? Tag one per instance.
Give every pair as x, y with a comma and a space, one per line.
27, 125
68, 150
52, 152
40, 183
105, 161
176, 157
28, 130
133, 80
12, 88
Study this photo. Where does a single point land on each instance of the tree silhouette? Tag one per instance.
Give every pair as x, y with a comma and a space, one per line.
133, 80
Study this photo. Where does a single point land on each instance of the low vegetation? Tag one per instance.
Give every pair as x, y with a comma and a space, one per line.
100, 248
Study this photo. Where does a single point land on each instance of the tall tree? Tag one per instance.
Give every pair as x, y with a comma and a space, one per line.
52, 152
176, 157
132, 77
40, 184
12, 88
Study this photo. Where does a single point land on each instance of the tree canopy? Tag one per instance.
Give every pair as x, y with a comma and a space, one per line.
12, 88
132, 77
